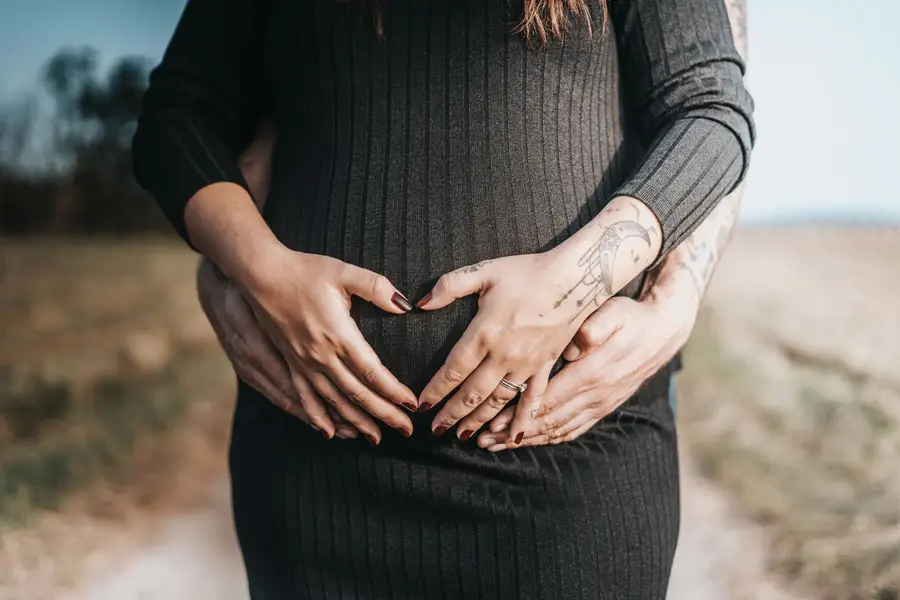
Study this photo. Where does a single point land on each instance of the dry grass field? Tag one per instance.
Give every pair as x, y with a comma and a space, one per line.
790, 401
114, 399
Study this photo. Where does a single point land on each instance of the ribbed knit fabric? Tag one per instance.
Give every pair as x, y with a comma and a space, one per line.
446, 143
594, 519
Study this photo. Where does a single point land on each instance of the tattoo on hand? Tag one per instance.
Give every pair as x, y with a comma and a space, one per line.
474, 268
598, 262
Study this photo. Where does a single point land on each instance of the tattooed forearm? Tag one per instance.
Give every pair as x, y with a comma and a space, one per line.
700, 253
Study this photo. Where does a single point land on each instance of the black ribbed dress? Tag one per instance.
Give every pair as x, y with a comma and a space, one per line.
447, 142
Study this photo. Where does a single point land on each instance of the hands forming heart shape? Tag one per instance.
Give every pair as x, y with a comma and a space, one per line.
297, 343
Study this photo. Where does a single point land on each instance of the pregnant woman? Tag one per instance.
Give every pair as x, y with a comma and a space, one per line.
511, 166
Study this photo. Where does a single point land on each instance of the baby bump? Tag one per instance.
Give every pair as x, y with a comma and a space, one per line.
414, 346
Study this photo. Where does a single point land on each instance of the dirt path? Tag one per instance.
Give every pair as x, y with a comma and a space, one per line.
195, 556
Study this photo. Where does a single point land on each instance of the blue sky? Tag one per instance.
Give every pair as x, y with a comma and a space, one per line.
825, 75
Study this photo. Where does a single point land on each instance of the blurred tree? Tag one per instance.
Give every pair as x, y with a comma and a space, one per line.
93, 121
16, 128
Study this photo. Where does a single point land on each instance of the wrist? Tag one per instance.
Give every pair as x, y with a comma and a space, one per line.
259, 266
615, 246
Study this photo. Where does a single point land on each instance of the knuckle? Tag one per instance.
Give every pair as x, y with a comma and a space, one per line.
330, 400
286, 390
313, 355
453, 376
590, 333
370, 376
546, 407
444, 283
512, 355
550, 428
489, 335
473, 398
497, 402
377, 282
302, 398
234, 344
357, 397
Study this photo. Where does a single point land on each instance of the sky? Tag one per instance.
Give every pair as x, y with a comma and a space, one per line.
825, 75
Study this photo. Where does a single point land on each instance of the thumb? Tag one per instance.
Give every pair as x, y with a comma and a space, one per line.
595, 331
453, 285
375, 288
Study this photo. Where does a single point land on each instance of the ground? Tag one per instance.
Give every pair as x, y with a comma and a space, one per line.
789, 421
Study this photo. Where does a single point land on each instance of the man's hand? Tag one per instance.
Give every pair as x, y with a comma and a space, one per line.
619, 346
251, 353
625, 342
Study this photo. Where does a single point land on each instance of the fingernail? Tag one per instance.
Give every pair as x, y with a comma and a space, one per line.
401, 302
486, 442
325, 434
406, 432
440, 430
573, 354
425, 300
372, 439
519, 437
410, 406
424, 407
466, 434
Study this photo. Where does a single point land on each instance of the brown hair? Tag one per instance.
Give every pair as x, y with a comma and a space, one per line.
541, 19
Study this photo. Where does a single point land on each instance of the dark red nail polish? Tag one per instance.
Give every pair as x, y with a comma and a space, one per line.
406, 432
372, 439
424, 407
519, 437
401, 302
466, 434
440, 430
325, 435
425, 300
410, 406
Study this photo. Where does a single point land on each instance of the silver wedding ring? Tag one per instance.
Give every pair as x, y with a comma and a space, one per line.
515, 387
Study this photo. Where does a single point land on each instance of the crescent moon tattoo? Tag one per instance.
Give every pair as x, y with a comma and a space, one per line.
598, 263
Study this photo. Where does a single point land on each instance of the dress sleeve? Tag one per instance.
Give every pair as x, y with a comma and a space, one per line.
203, 103
683, 80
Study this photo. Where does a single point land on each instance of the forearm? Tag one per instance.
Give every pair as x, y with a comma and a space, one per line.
226, 227
690, 266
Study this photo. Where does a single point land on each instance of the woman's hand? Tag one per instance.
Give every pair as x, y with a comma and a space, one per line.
251, 353
619, 347
254, 358
303, 303
529, 309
